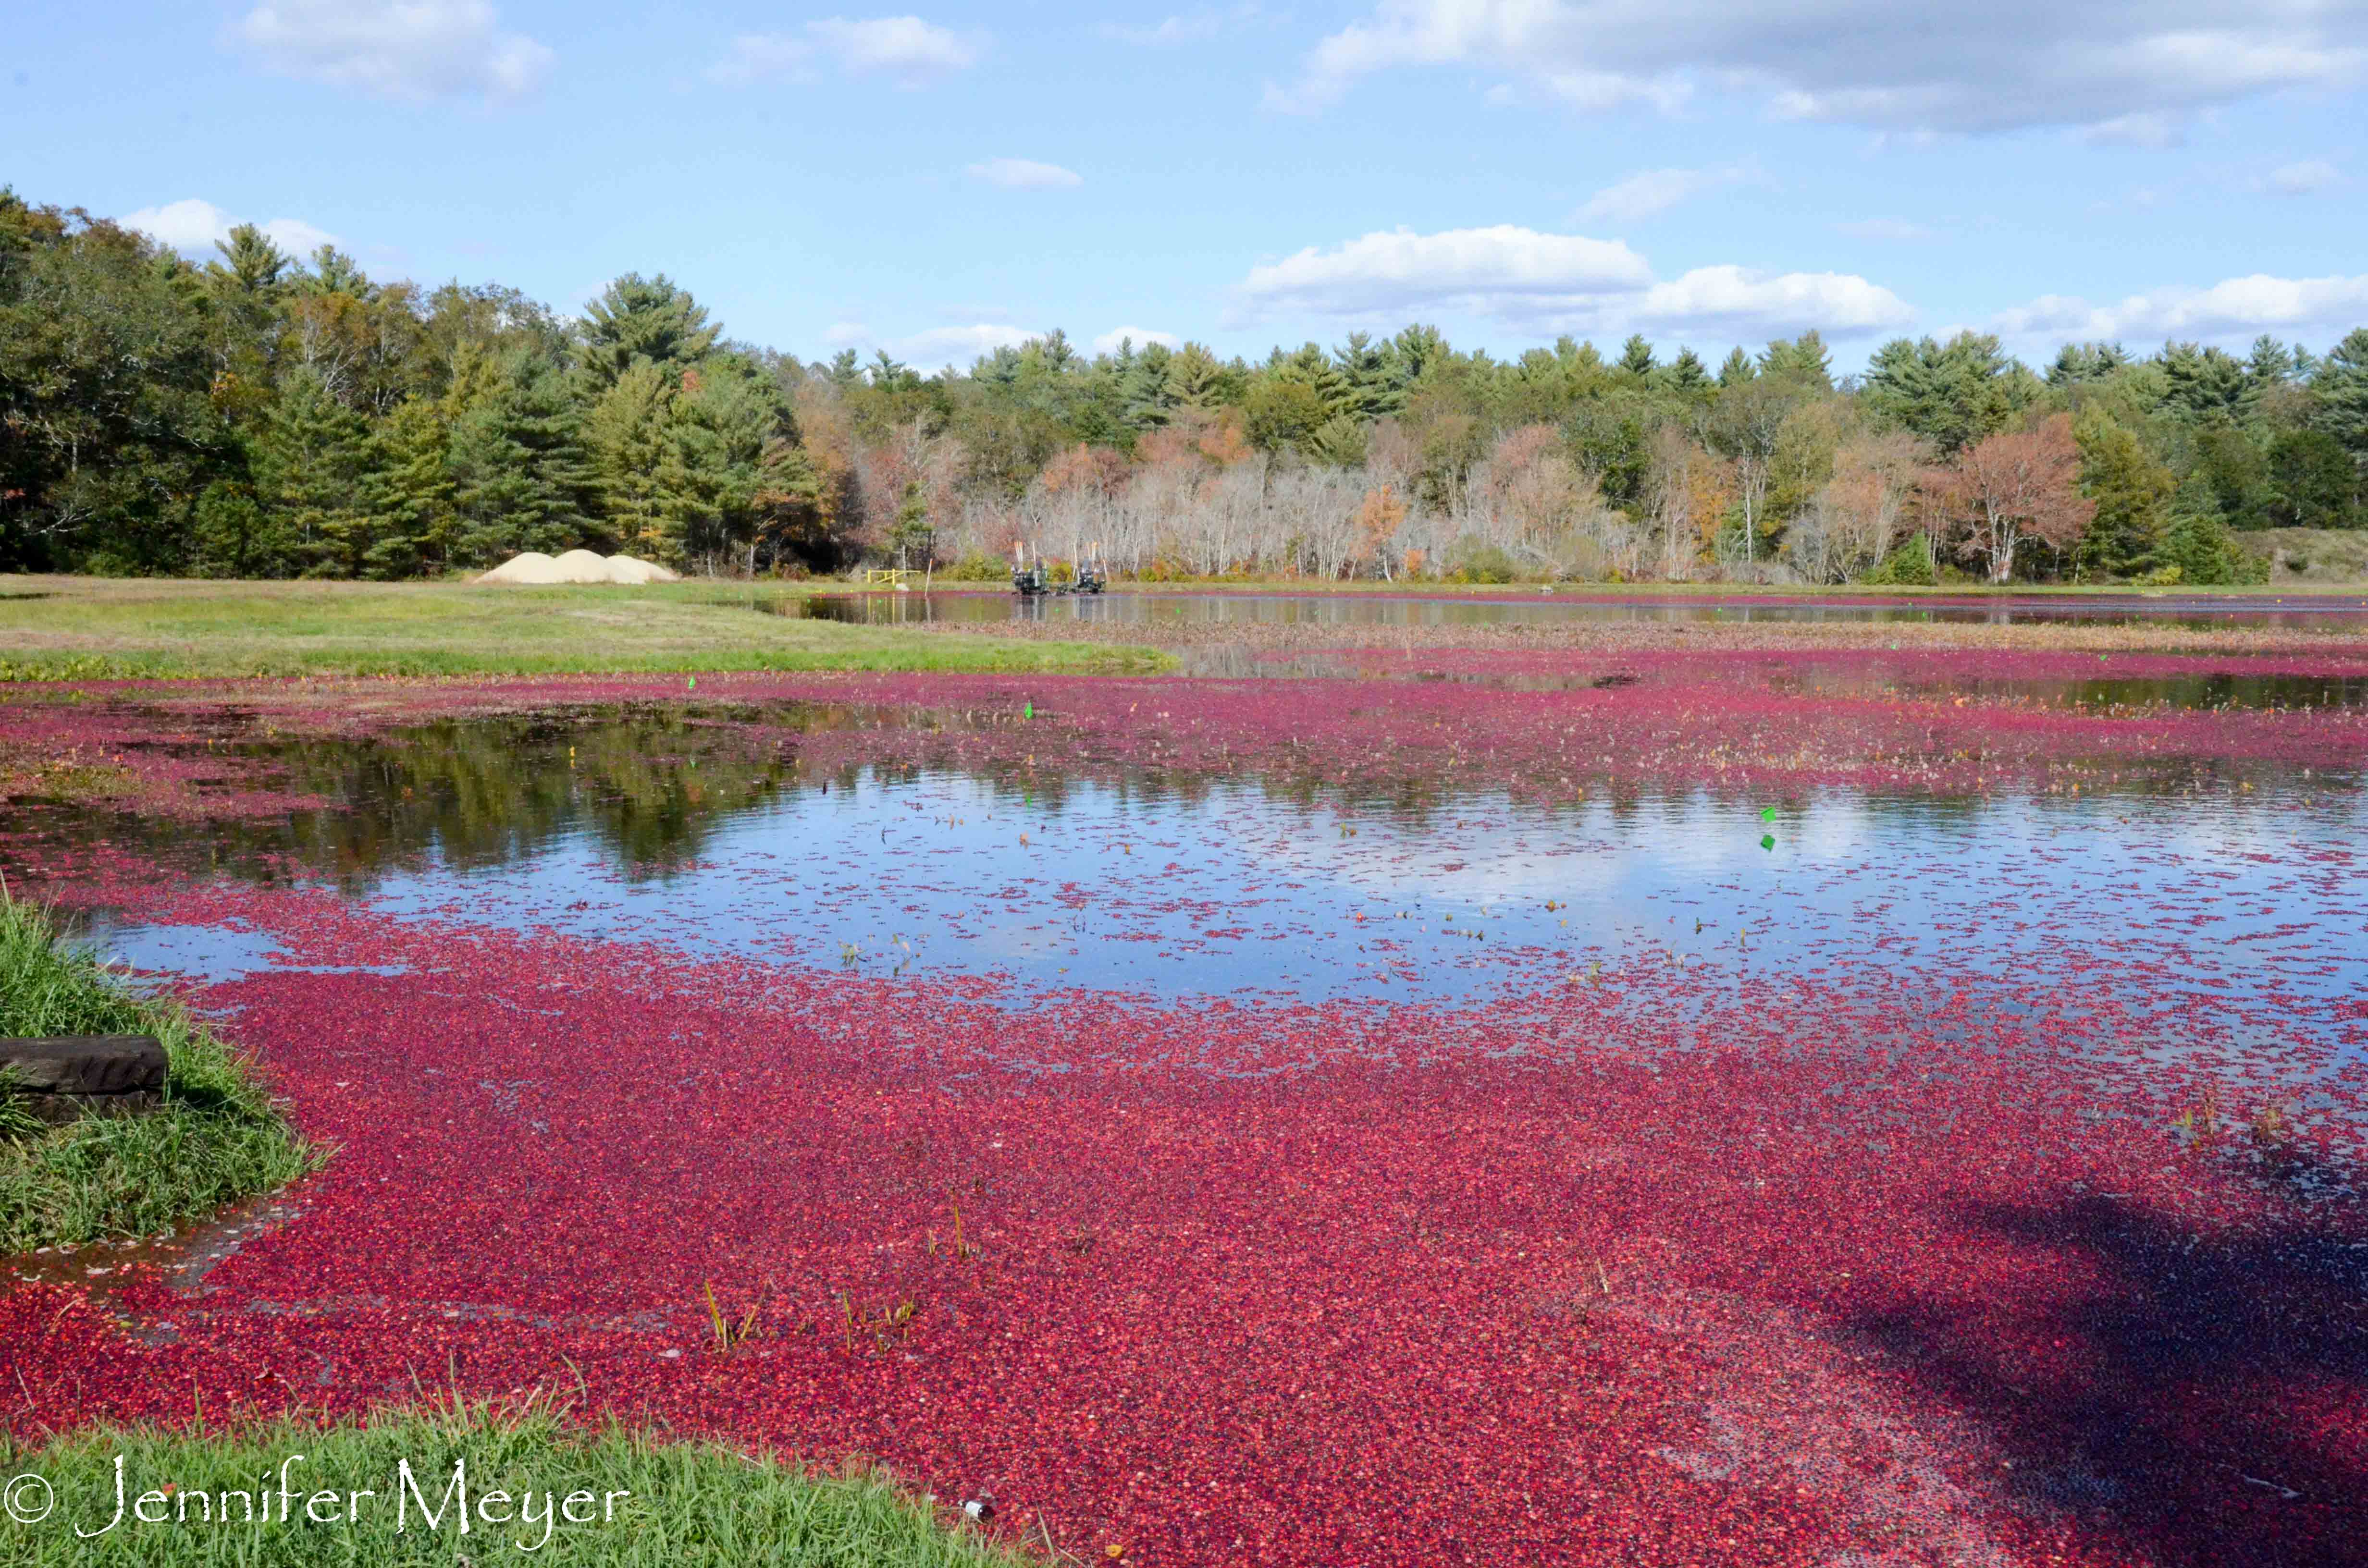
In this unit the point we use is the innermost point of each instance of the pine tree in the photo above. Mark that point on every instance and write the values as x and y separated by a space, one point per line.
1804 360
1687 375
1195 379
2132 494
2197 544
644 318
409 493
1952 394
2341 383
309 467
521 478
626 434
1636 356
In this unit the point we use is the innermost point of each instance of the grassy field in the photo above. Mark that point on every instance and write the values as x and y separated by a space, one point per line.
98 628
216 1140
684 1506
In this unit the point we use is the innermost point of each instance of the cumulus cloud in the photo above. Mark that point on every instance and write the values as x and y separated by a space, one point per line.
2235 307
1542 282
2130 70
1488 271
909 51
1025 174
1141 336
1839 304
1652 191
192 227
2303 178
397 49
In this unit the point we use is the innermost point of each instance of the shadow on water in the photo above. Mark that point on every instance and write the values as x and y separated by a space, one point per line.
2176 1397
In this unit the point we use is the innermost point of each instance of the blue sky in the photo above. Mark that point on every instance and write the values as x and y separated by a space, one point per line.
1704 171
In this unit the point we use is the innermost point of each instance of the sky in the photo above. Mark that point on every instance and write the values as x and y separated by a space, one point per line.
1704 172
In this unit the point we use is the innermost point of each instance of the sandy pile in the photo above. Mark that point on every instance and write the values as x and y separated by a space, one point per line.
577 566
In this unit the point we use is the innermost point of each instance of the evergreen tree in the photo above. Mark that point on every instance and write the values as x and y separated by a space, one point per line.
1636 356
521 478
2238 473
2313 483
1736 370
2341 385
409 493
1687 375
627 433
1375 377
1951 394
230 537
2133 494
2197 543
644 318
309 466
1195 379
1804 360
2205 385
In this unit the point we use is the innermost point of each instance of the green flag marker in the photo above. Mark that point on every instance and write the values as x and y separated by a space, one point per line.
1027 710
692 684
1767 841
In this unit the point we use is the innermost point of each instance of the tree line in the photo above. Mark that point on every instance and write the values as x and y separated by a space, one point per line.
264 415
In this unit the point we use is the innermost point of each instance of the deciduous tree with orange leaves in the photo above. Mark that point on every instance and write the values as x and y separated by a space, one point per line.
2012 488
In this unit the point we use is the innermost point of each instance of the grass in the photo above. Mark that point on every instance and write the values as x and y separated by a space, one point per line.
688 1503
216 1139
100 629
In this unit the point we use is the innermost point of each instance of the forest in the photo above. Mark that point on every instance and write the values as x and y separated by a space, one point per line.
259 414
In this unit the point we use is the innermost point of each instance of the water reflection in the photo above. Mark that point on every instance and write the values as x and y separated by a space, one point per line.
705 830
2193 610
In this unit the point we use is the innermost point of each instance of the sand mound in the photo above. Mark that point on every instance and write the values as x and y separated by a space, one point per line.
577 566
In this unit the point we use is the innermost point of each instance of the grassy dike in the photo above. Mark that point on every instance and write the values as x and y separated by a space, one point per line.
538 1490
100 629
216 1140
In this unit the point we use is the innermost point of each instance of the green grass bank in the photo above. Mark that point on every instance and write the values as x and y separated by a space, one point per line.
216 1140
538 1490
110 628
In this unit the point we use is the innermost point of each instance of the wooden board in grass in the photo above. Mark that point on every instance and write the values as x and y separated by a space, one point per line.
63 1077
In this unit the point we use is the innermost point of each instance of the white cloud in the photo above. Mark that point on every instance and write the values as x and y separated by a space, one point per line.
1652 191
1141 336
1898 228
191 226
1483 270
936 347
397 49
2234 308
2148 128
908 50
1838 304
1025 174
2131 70
958 344
2303 178
1545 283
1191 28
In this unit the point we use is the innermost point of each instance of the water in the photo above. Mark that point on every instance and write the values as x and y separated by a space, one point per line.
1516 607
703 832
